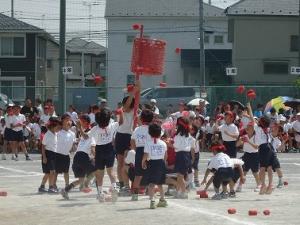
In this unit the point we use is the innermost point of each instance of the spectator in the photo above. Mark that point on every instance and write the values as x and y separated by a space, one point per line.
154 107
259 111
39 106
28 110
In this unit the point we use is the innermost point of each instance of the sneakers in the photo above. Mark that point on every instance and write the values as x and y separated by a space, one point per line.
42 190
162 203
14 157
64 194
152 204
134 197
3 157
125 191
224 195
114 194
239 188
257 189
217 196
28 158
280 184
101 197
52 191
232 194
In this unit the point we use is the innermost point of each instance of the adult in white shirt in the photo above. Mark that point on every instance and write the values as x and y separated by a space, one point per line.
17 125
73 114
230 134
154 107
296 129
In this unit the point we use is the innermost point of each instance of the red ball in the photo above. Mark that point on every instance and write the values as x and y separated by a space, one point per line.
178 50
3 193
231 211
203 194
98 79
285 183
251 94
252 212
163 84
136 26
267 212
240 89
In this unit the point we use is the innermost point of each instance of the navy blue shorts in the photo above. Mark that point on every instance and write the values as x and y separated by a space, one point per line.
62 163
139 153
223 176
196 161
230 148
276 163
7 134
122 143
156 172
183 162
236 175
266 155
17 136
105 156
50 165
251 162
82 165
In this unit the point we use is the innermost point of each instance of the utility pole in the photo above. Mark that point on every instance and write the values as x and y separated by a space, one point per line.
299 37
202 51
90 4
12 9
62 55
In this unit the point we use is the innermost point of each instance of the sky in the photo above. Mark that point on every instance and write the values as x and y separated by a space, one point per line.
45 14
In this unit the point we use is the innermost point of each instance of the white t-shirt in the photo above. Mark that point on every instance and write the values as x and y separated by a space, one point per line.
130 158
155 151
65 141
18 119
140 135
183 143
237 162
249 148
262 137
104 136
50 141
245 120
296 127
231 129
209 129
85 145
8 121
92 118
287 127
36 130
275 142
220 160
44 119
127 125
27 130
74 116
156 110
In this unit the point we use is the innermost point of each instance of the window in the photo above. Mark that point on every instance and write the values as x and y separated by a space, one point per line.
49 63
180 92
159 93
13 87
276 67
294 43
206 38
219 39
12 46
130 79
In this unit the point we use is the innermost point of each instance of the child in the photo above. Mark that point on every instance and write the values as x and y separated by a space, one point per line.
266 155
251 157
230 134
103 134
8 131
199 138
49 146
2 129
82 164
17 125
222 167
138 140
183 144
65 142
154 159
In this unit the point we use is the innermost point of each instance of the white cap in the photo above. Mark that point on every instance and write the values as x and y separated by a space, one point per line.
298 114
103 100
153 100
206 118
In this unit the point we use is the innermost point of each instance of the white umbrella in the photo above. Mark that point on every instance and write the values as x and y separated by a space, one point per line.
195 102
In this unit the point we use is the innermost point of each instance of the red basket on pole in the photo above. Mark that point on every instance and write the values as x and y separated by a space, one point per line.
148 56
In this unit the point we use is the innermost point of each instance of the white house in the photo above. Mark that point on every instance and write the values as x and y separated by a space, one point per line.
176 22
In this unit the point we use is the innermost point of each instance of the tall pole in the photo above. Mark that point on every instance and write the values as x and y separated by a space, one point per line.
299 37
62 52
12 9
82 70
90 20
202 52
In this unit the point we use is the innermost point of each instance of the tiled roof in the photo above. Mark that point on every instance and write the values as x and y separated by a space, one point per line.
8 24
159 8
78 45
265 8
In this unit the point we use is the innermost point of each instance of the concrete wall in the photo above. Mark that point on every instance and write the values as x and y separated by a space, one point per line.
168 29
257 39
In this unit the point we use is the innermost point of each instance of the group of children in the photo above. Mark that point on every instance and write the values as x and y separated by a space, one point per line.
154 153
